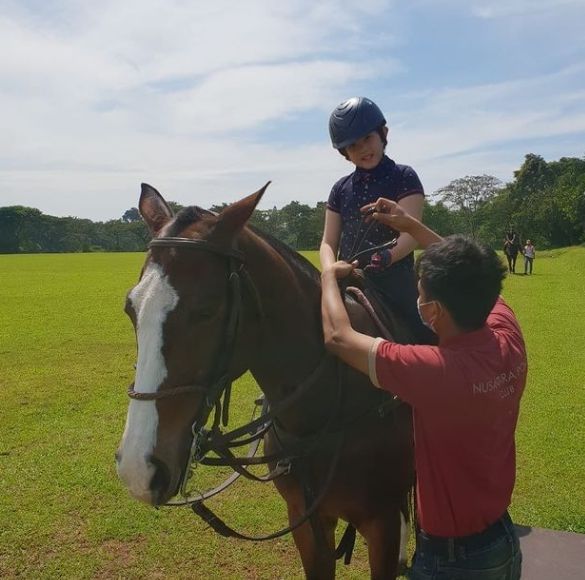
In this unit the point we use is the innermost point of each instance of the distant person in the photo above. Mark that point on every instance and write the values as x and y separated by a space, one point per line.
529 255
511 249
465 396
358 130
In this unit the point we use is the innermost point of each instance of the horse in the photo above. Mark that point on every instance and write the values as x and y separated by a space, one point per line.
358 441
511 250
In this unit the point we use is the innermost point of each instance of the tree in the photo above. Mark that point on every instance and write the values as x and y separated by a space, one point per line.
218 208
131 215
16 224
439 218
548 200
175 207
468 195
297 225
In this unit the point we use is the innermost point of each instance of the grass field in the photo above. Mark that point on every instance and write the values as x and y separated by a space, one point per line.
66 355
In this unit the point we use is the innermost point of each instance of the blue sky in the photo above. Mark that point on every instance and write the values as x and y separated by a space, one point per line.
207 101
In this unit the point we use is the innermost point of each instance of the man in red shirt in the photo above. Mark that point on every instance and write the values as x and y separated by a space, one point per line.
465 395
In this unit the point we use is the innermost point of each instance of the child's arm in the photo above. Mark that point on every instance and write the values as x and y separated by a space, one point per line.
330 241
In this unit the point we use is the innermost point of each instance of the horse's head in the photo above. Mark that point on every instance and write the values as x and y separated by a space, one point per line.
180 309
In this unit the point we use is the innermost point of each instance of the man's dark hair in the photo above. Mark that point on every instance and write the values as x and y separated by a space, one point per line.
463 275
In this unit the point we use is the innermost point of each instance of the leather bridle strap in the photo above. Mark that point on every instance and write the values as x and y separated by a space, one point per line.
172 242
221 382
165 393
227 439
219 526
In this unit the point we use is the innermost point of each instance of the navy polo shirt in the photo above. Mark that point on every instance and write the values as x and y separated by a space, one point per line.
350 193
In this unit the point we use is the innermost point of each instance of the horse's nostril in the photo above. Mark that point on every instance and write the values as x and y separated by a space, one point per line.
159 484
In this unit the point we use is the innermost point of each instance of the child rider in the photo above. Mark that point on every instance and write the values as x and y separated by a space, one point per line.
358 131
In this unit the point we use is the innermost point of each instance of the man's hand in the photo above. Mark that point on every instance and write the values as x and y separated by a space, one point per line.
389 213
393 215
339 269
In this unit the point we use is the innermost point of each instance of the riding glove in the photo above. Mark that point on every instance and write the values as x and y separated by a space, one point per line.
379 261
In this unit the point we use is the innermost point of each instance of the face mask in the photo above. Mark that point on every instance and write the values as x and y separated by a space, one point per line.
418 305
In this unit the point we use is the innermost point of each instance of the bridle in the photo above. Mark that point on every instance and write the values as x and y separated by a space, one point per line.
217 393
220 384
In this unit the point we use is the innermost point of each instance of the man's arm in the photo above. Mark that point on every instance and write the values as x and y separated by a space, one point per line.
408 371
413 204
330 241
341 339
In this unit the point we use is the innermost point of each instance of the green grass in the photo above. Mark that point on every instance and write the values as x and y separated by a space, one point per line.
66 354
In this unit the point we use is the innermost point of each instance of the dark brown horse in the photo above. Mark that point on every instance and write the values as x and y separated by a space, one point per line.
511 249
181 312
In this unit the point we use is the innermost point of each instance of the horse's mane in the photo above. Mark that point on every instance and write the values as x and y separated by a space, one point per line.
188 215
185 218
301 264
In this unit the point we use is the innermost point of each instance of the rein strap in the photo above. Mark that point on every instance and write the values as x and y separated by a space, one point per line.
140 396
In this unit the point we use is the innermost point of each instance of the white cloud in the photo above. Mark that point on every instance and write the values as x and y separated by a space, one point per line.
504 8
501 9
97 97
468 126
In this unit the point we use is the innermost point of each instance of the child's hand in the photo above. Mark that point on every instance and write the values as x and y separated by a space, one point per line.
379 261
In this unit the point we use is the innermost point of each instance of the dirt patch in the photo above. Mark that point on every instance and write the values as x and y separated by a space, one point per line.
119 555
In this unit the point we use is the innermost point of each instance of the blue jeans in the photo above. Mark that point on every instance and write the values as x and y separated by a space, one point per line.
493 554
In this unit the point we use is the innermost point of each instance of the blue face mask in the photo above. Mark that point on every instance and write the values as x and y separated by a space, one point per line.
429 325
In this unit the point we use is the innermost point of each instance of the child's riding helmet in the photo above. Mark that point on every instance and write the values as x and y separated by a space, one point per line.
352 120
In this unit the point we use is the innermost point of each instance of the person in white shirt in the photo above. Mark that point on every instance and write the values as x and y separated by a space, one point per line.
529 255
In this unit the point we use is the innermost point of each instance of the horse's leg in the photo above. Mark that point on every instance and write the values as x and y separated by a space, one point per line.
318 560
383 536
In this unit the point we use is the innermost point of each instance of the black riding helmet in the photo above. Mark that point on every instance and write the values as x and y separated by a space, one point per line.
352 120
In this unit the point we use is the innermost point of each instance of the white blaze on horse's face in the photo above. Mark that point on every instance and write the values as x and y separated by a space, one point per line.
152 300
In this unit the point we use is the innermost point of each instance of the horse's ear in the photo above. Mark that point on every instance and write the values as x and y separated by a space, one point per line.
234 217
153 209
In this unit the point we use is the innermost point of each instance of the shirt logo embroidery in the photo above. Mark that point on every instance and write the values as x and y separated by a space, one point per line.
504 383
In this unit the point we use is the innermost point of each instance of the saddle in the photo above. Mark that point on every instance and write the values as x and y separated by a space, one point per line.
373 303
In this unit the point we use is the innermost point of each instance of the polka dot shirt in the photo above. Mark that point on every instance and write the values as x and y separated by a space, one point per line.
350 193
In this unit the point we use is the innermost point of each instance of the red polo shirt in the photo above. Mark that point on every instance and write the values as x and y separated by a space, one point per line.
465 394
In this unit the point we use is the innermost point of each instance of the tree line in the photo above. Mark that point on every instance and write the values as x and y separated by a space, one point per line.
544 202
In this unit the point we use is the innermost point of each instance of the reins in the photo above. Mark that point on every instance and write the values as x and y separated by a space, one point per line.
361 237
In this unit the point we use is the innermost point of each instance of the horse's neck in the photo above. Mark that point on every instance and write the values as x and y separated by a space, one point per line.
290 341
290 347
